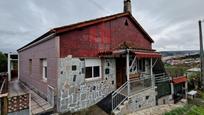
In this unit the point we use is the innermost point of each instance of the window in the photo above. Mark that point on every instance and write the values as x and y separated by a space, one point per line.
30 66
74 67
88 72
96 71
141 65
107 71
44 68
92 68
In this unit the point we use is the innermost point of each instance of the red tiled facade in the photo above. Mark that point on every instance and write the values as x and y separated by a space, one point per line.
88 41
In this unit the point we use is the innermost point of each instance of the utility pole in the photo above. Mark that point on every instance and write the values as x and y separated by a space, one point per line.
201 54
9 66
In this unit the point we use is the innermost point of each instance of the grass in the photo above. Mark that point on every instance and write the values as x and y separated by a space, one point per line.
187 110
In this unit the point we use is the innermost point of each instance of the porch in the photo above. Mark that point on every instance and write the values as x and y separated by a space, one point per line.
134 74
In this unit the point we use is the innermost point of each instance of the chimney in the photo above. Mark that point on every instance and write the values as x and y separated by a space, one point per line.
127 6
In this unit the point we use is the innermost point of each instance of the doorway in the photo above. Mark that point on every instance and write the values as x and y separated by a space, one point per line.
120 71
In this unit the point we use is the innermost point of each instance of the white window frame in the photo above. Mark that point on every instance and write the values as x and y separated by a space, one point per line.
44 64
91 63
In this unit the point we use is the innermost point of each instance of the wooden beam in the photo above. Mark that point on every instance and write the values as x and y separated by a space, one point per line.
4 106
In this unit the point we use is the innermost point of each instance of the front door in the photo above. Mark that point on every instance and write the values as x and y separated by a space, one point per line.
120 71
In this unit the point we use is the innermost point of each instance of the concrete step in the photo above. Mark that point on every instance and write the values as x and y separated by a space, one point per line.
117 112
125 102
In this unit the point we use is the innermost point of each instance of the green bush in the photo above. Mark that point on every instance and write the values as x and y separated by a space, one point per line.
3 62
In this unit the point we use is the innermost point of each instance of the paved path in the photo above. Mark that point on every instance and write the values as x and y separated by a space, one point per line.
38 104
158 110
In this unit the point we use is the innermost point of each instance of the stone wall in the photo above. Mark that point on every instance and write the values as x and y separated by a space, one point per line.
142 100
75 92
165 100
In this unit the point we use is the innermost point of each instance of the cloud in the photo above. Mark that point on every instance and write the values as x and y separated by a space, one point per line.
172 24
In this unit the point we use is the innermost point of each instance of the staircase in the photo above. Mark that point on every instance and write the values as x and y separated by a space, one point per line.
120 98
106 103
121 109
115 101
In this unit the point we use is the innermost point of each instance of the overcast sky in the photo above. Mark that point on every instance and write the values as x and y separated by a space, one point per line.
173 24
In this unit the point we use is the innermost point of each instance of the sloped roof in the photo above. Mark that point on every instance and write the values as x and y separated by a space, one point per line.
179 80
62 29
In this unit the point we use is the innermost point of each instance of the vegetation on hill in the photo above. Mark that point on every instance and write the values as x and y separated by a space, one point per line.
175 71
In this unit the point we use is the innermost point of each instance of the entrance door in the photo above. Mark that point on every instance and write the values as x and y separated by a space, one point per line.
120 71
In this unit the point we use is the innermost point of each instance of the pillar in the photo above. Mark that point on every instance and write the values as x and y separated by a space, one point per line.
186 89
128 70
172 88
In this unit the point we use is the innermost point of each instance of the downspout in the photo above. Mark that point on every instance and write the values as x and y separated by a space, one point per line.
18 67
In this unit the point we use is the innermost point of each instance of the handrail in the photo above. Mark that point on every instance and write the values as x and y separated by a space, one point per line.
121 94
2 85
120 88
161 77
117 97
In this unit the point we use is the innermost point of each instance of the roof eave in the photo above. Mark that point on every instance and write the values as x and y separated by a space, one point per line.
40 39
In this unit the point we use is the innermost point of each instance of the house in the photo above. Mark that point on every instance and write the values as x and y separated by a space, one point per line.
109 58
180 88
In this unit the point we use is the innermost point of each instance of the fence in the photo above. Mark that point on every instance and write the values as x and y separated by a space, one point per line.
19 105
3 83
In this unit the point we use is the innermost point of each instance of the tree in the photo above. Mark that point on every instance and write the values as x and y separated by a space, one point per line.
194 80
3 62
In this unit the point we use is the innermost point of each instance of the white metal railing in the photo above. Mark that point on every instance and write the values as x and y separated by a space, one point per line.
161 77
135 86
119 95
138 85
2 86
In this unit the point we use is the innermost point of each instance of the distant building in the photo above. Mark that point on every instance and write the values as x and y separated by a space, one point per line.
193 72
180 88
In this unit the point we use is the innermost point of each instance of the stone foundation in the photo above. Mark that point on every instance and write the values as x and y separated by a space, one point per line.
165 100
142 100
75 92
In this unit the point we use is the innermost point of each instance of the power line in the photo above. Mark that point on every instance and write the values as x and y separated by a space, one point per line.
99 6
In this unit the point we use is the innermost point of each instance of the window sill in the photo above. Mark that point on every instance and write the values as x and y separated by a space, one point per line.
45 81
93 79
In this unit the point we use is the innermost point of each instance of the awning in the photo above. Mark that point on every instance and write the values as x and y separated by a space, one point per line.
147 55
179 80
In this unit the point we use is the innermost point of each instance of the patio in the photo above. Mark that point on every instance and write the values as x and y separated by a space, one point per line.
38 105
